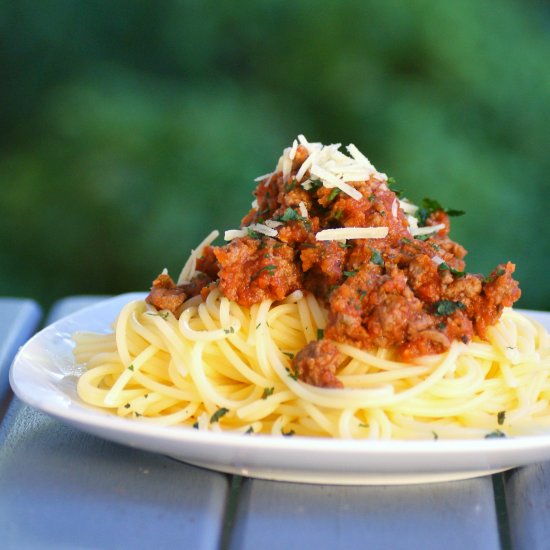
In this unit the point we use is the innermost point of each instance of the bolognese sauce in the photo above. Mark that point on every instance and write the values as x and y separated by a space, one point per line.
391 277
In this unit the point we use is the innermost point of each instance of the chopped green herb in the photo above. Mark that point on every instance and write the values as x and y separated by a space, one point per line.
362 425
351 273
344 245
288 434
371 197
229 330
441 325
391 183
288 354
320 334
501 417
218 414
495 434
446 267
404 240
498 273
252 234
362 293
376 257
429 206
163 314
267 392
258 325
337 214
127 406
333 194
422 237
289 186
315 184
288 215
249 431
292 373
447 307
269 268
131 367
436 437
196 425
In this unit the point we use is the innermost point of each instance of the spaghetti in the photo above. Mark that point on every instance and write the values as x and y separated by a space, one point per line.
225 367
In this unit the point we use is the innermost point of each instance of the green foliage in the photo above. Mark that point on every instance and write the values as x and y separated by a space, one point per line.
130 130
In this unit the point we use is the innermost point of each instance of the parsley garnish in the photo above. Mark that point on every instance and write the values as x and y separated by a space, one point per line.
196 425
127 406
267 392
252 234
287 434
337 214
288 354
289 214
351 273
269 268
501 416
333 194
131 367
320 334
498 273
376 257
289 186
250 430
229 330
436 437
315 184
391 183
344 245
163 314
447 307
218 414
495 434
293 374
446 267
429 206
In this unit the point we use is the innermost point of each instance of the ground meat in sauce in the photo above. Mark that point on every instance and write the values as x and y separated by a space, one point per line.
316 364
165 295
408 294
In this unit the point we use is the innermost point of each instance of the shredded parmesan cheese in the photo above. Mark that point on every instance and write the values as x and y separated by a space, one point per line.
342 233
189 269
427 230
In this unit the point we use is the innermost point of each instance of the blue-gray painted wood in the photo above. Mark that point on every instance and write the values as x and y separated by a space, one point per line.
454 515
527 493
62 488
18 320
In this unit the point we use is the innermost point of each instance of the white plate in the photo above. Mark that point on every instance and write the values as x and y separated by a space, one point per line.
43 375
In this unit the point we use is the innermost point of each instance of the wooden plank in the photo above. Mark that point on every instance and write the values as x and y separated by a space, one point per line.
453 515
62 488
18 321
527 493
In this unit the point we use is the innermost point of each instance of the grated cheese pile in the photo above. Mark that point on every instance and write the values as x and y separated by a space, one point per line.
334 169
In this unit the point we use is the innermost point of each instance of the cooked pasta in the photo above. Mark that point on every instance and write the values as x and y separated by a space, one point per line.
222 366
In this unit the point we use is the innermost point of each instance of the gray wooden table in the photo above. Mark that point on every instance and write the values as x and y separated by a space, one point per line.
61 488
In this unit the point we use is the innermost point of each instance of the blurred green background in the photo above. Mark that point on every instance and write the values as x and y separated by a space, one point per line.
131 129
